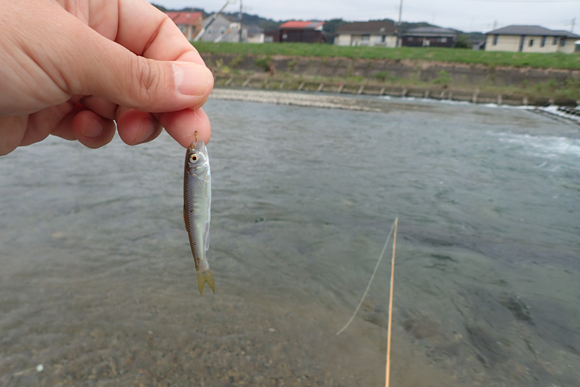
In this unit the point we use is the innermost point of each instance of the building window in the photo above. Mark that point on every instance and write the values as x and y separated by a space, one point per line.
223 30
543 43
495 39
531 42
443 40
562 41
555 40
383 38
365 38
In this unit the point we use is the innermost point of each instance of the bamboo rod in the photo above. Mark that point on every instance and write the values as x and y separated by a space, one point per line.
388 370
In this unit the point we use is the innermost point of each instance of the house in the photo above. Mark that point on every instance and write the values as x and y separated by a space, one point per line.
371 33
255 34
190 23
428 37
530 39
299 32
222 29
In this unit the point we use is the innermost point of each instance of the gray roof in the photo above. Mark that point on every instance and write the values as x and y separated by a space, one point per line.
430 31
219 17
531 30
370 27
254 29
567 34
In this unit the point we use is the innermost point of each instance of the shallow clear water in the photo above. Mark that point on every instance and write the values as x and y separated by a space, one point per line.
97 282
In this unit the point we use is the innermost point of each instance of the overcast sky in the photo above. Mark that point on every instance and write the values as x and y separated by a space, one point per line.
466 15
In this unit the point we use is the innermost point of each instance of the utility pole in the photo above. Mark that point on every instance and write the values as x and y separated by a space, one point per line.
494 25
573 22
399 23
240 20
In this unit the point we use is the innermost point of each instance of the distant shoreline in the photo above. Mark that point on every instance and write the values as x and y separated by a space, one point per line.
365 104
297 99
326 100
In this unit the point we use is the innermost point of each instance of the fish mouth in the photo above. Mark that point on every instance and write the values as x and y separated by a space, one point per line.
197 145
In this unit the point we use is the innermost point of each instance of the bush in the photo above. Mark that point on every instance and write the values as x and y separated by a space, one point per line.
443 79
292 64
263 63
237 60
382 75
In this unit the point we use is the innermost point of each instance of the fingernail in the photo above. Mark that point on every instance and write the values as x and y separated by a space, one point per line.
191 79
92 130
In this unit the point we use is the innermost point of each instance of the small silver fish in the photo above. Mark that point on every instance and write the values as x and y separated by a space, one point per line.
197 209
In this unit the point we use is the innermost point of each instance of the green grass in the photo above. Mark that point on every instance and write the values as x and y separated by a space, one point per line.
515 59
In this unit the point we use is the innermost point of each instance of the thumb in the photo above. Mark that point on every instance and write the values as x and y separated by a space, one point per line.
108 70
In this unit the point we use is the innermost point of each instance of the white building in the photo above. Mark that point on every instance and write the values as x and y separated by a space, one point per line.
222 29
530 39
372 33
255 34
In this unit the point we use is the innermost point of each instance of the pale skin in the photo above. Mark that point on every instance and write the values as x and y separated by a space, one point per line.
75 68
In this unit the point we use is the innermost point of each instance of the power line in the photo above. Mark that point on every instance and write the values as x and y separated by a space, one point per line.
527 1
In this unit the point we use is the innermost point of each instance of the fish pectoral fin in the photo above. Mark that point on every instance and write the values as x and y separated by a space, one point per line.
202 278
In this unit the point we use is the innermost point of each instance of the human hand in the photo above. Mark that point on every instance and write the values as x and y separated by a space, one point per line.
73 68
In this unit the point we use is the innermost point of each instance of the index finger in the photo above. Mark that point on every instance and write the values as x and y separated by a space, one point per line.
148 32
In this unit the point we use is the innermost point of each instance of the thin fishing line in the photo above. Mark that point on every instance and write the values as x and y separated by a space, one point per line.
370 282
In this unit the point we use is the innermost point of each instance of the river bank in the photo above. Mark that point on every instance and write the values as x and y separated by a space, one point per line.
404 78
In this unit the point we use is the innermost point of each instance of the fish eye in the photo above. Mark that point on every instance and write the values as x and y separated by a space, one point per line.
193 158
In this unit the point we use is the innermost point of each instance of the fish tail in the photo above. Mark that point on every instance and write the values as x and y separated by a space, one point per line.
202 278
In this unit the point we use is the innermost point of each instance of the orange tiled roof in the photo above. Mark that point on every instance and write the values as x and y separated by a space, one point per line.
183 17
302 24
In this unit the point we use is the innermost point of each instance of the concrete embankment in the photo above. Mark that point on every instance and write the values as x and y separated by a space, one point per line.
436 80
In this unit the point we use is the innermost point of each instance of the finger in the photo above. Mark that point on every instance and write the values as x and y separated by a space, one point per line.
92 130
41 124
136 127
183 124
102 107
64 129
12 130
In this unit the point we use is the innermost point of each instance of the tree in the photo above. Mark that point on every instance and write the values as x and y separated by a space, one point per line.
462 41
330 27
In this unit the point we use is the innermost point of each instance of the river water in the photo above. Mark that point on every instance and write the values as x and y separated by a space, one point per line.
97 283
